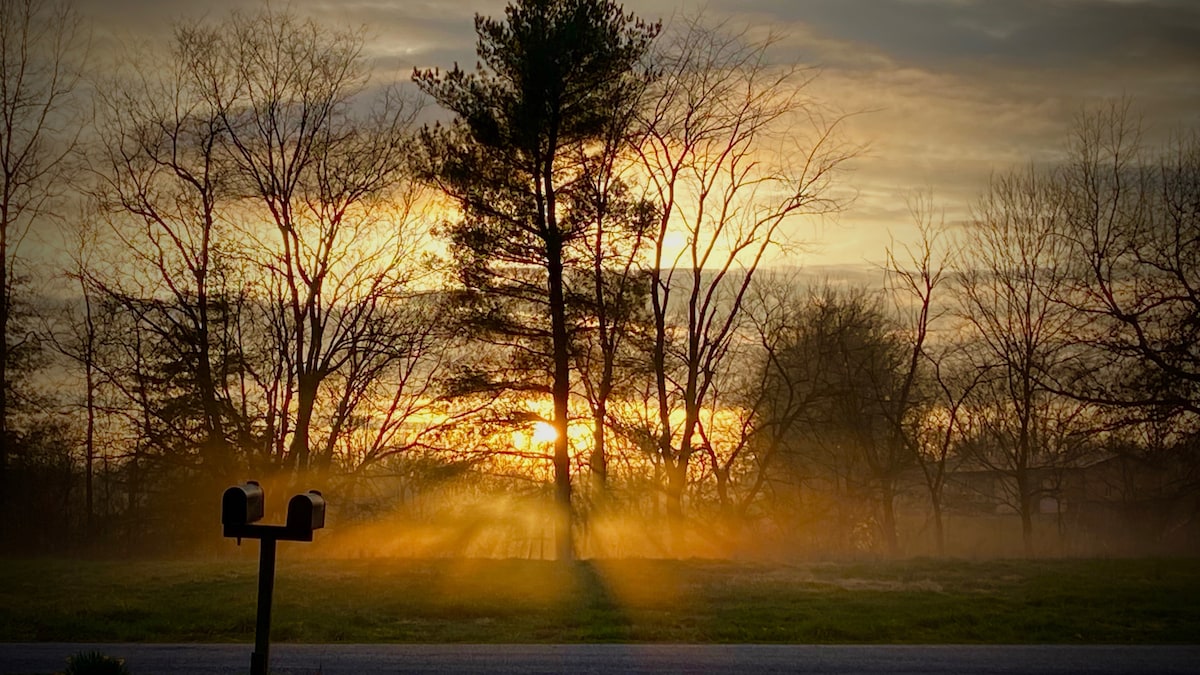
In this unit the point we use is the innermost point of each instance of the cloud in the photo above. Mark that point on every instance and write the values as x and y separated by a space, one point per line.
954 90
951 34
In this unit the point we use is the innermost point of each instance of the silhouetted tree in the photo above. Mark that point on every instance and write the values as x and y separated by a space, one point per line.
1133 222
733 150
528 125
331 182
608 301
264 251
38 42
925 413
1017 265
76 333
778 396
844 360
164 185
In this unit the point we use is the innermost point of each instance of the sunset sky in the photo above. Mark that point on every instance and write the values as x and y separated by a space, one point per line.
950 90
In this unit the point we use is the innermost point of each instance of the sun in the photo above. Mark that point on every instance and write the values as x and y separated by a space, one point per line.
544 432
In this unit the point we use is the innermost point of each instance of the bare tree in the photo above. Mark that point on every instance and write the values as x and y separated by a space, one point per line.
924 423
940 434
77 333
38 74
758 399
1016 267
729 162
334 186
1132 221
264 254
610 297
777 396
163 182
840 381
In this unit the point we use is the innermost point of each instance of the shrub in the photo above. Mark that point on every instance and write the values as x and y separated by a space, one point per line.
95 663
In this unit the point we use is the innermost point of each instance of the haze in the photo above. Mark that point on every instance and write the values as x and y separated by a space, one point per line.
772 280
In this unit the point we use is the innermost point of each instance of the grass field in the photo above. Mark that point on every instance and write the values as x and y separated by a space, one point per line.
916 601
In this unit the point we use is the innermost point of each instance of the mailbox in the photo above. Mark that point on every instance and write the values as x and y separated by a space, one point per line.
306 512
242 504
241 508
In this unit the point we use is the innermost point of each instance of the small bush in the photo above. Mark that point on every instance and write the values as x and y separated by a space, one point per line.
95 663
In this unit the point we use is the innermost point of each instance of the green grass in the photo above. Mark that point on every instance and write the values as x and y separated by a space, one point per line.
915 601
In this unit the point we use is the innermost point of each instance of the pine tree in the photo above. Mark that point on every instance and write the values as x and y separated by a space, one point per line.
529 121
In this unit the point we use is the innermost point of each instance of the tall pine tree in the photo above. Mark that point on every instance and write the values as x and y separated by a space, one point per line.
529 121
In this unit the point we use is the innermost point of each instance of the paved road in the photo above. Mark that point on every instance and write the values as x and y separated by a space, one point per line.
210 659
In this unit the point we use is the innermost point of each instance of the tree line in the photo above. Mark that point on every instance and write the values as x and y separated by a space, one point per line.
271 265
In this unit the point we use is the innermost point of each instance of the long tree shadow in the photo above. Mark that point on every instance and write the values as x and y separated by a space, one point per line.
596 613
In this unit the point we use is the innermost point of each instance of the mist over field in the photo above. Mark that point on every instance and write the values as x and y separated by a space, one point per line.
588 297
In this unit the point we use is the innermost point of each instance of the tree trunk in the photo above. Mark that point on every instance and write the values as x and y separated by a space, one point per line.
598 462
305 402
721 474
677 469
90 446
939 528
888 502
1025 496
564 546
676 484
1027 530
219 457
5 441
134 486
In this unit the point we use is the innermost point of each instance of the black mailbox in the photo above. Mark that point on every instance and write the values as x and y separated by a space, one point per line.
306 512
242 504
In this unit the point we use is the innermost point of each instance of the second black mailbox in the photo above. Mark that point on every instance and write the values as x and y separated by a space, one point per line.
306 512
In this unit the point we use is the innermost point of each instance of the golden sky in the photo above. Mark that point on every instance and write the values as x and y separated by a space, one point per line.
951 91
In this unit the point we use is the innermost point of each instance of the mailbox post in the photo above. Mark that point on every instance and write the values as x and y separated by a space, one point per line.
242 506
